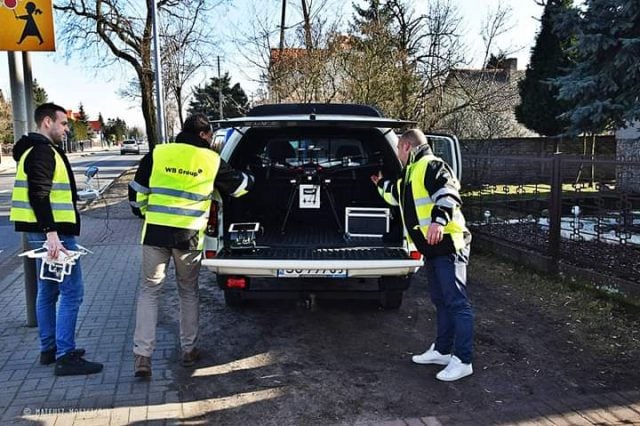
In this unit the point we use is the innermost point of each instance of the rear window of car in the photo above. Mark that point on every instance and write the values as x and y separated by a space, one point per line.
321 150
129 142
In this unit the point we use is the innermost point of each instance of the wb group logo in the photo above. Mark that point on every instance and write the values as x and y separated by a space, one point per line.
179 171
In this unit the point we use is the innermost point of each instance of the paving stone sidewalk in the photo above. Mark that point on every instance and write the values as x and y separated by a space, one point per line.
31 394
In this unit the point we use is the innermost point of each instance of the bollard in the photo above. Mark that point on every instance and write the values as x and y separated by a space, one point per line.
30 284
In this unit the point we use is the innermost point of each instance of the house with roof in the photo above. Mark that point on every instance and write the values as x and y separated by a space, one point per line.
481 102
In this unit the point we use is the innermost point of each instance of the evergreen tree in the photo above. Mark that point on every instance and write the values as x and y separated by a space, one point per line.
376 13
603 82
379 67
207 99
39 94
115 129
539 110
6 120
81 125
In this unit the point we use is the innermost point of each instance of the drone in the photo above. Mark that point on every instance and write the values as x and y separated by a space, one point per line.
58 268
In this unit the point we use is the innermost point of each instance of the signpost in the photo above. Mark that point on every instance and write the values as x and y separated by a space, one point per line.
25 26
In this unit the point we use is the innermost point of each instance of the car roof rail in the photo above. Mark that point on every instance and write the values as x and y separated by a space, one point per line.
314 108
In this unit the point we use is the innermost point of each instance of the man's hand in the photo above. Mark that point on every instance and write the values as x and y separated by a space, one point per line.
376 178
434 233
54 245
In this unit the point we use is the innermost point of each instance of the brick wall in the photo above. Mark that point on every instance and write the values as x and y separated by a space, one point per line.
628 177
532 165
605 146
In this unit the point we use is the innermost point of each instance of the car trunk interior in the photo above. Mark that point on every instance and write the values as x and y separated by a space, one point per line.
306 178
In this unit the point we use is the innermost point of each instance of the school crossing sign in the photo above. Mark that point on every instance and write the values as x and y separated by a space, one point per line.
26 25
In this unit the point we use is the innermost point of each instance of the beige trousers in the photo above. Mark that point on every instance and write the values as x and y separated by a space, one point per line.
155 261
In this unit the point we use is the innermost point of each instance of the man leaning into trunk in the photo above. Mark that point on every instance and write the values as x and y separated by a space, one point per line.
172 190
427 194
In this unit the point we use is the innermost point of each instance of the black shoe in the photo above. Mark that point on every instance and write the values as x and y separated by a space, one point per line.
49 357
73 364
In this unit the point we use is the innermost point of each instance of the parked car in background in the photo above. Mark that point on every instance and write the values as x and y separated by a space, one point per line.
314 224
129 146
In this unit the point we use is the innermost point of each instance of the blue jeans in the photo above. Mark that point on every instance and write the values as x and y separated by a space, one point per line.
58 329
447 277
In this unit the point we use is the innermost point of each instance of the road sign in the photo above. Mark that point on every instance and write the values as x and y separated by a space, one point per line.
26 25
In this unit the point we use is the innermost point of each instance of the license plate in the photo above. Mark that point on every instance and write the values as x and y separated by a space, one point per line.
302 273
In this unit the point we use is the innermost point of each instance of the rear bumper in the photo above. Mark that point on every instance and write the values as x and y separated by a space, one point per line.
354 268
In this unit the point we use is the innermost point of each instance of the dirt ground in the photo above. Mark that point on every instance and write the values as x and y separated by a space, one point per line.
344 362
347 361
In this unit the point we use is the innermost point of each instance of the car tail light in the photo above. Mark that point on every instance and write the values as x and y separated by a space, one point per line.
212 223
415 255
210 254
236 282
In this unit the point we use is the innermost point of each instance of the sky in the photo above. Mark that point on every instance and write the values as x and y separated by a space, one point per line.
69 82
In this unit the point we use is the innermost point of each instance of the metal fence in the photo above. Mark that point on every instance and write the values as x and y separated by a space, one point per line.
571 210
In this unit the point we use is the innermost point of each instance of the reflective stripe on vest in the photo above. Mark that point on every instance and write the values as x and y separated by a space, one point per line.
142 196
180 187
60 197
386 192
424 203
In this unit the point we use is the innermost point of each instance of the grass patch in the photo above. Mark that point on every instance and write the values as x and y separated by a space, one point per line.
592 318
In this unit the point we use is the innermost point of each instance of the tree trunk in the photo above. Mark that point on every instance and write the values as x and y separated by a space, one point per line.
149 109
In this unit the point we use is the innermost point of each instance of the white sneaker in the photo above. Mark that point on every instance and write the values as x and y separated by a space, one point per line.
455 370
431 356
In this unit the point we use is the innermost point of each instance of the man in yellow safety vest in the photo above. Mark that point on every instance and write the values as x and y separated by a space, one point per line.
43 206
173 189
427 194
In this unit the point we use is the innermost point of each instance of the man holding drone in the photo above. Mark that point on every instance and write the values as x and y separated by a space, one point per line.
44 207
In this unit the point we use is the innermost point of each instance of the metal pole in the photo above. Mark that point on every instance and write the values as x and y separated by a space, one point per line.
28 90
282 21
220 91
162 133
20 128
17 96
555 210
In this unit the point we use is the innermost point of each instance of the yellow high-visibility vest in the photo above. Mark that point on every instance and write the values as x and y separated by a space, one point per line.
60 197
414 181
180 187
424 203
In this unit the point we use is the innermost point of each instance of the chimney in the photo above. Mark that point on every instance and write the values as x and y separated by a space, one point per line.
510 65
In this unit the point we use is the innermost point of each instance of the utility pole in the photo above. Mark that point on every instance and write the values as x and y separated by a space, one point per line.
28 90
282 21
162 133
220 90
20 101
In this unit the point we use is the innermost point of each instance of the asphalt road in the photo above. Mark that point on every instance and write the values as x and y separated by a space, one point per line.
110 165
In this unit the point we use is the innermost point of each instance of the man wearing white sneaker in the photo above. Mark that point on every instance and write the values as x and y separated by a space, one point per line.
427 194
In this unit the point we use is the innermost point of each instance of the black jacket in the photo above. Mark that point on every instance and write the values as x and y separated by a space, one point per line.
39 167
227 181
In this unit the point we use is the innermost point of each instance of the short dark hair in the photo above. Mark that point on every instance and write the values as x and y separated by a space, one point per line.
196 123
47 110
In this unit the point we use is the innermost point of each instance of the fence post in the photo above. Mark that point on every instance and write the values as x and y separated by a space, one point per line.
555 210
